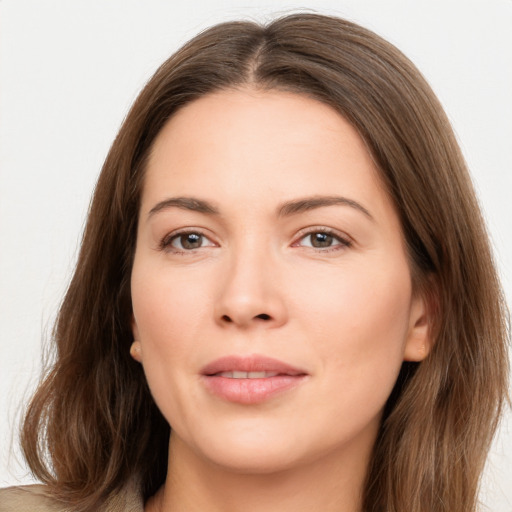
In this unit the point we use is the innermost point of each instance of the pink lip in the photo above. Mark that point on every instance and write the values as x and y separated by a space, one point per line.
250 391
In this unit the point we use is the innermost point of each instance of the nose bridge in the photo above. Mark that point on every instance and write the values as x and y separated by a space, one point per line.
249 293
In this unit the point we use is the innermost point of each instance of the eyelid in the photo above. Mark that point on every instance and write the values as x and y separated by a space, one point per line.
344 239
165 243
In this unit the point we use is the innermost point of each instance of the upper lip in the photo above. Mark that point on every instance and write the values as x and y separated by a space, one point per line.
252 363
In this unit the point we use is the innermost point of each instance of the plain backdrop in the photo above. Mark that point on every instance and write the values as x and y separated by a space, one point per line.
69 70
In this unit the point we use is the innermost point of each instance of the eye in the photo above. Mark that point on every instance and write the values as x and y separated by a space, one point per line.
186 241
323 239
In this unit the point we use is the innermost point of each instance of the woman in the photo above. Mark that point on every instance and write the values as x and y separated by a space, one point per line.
285 297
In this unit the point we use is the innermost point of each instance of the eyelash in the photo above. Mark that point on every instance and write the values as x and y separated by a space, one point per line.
344 241
166 242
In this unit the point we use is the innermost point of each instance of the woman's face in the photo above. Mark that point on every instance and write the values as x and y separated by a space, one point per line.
271 290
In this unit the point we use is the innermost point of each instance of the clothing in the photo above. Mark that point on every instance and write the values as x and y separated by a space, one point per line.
33 498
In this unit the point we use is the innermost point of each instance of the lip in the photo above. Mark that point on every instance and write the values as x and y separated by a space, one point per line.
246 390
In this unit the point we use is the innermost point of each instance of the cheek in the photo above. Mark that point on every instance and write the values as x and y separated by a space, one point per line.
360 321
168 313
369 302
167 305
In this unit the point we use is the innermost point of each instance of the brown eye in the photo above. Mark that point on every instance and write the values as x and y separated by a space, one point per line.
321 239
189 241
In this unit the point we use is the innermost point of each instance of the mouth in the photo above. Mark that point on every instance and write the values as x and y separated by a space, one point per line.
251 379
246 375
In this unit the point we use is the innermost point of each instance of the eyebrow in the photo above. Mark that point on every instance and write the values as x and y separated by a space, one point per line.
185 203
288 208
311 203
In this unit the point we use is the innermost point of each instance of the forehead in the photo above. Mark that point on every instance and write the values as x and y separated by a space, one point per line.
240 143
276 118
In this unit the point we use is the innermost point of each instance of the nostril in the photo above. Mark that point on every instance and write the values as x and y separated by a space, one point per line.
228 320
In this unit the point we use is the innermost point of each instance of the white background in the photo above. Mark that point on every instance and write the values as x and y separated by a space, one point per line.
69 70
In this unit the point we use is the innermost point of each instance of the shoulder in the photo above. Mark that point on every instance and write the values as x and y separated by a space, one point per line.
28 497
35 498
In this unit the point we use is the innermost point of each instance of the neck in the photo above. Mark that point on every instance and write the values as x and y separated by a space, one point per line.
331 483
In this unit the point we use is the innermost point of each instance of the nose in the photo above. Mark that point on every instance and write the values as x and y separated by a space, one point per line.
250 295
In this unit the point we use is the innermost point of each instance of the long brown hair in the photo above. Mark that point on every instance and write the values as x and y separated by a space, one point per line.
92 424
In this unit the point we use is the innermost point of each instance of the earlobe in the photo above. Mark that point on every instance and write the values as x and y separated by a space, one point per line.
136 351
419 338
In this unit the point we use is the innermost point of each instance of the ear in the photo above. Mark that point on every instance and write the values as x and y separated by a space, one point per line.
136 351
419 340
136 348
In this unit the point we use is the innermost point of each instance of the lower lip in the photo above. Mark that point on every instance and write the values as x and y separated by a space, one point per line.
250 391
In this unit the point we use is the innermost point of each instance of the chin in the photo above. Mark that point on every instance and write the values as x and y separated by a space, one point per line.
250 451
254 461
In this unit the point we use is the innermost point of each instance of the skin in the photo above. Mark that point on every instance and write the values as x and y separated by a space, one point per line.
344 312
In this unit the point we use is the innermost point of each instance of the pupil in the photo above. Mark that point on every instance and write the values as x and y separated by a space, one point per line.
321 240
191 241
